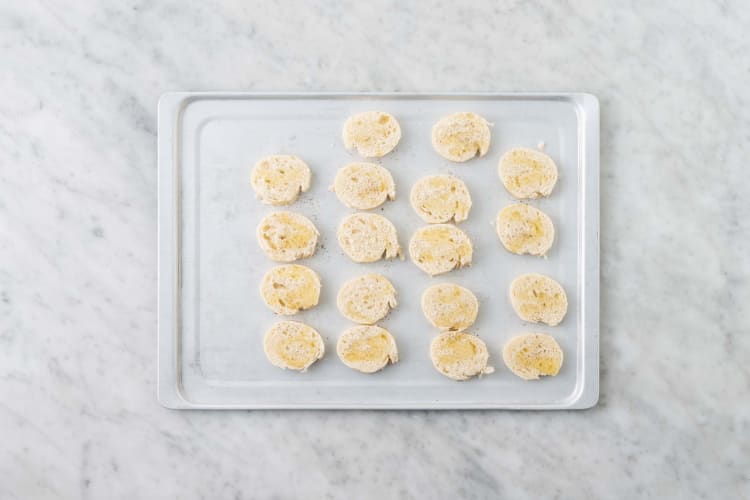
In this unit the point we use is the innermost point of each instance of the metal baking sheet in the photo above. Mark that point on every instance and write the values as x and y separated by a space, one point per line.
212 319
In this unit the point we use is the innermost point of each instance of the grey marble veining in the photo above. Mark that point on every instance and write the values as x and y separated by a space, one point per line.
79 85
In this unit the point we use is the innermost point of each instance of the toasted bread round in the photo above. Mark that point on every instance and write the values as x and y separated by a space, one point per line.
290 288
287 236
279 179
523 229
441 198
539 299
440 248
293 345
368 238
372 133
532 355
459 355
461 136
364 185
366 299
450 307
367 348
527 173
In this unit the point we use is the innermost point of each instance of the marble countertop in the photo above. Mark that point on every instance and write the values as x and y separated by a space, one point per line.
78 411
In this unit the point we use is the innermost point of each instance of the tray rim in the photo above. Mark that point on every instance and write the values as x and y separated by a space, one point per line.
169 110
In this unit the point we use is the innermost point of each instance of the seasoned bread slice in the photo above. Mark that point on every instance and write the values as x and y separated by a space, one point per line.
459 355
372 133
287 236
367 348
539 299
364 185
440 198
527 173
279 179
366 299
290 288
461 136
523 229
440 248
368 238
450 307
293 345
533 355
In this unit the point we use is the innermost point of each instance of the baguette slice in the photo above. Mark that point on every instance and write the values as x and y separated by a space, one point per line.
533 355
368 238
364 185
366 299
287 236
523 229
440 248
459 355
441 198
372 133
279 179
367 349
539 299
527 173
293 345
461 136
290 288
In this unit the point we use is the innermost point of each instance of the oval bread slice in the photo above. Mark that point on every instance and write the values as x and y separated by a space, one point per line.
460 356
532 355
372 133
368 238
450 307
367 348
366 299
527 173
290 288
461 136
440 198
539 299
440 248
364 185
523 229
287 236
279 179
293 345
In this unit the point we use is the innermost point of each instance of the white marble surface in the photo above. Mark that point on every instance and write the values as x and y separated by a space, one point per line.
79 85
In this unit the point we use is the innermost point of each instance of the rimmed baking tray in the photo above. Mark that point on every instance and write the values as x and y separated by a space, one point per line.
211 319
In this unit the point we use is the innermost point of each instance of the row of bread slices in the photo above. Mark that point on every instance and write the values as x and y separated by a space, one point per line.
366 237
458 137
279 179
449 307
